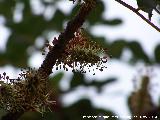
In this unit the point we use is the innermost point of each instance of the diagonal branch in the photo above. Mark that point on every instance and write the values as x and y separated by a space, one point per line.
56 52
139 14
73 25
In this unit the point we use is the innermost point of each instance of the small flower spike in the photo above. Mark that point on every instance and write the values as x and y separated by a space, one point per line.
81 53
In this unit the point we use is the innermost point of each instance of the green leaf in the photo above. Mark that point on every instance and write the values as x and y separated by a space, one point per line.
88 110
147 6
6 8
113 22
96 15
101 41
28 28
54 81
57 21
157 53
77 79
138 52
16 52
2 113
116 48
3 59
74 11
31 116
100 84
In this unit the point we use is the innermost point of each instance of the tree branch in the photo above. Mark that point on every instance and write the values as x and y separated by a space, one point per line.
73 25
139 14
56 52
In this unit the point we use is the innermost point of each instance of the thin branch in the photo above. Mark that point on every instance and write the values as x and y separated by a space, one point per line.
139 14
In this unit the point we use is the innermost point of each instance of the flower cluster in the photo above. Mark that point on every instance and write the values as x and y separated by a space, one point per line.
26 93
81 53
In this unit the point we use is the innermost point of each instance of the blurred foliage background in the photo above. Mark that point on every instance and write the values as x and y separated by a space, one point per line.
27 24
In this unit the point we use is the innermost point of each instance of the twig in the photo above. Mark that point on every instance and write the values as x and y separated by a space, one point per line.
139 14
